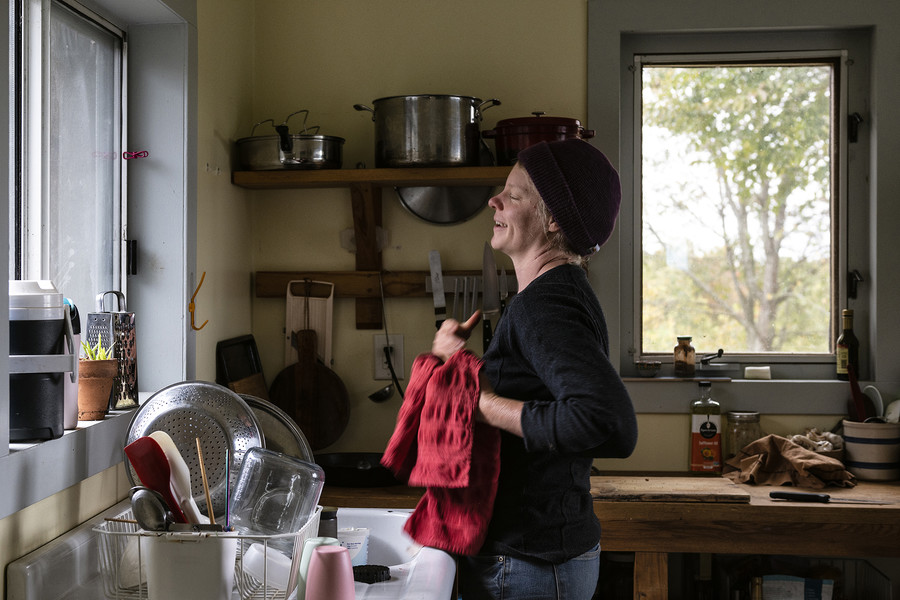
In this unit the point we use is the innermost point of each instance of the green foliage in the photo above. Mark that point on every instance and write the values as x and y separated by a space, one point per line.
754 274
98 352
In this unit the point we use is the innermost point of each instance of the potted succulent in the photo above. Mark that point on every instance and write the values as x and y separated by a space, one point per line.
97 370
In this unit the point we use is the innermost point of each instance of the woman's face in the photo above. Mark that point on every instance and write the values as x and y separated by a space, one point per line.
518 229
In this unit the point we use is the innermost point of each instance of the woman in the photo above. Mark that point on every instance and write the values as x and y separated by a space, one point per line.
547 381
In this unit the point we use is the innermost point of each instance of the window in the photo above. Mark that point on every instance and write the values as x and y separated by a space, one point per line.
737 194
66 218
741 169
161 70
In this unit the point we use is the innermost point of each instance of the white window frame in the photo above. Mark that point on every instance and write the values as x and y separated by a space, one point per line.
681 48
35 260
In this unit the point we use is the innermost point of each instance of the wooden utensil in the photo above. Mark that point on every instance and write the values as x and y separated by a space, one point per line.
312 394
212 516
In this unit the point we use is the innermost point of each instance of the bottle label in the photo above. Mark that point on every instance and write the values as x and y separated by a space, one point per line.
843 359
706 447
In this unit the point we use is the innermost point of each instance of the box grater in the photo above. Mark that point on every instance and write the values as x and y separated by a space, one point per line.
116 328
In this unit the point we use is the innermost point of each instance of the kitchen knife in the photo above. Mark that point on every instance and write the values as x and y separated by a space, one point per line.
490 295
821 498
504 290
437 288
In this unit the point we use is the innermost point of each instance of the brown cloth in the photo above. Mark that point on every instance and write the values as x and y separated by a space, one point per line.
774 460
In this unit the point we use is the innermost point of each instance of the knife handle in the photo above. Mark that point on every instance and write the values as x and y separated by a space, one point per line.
800 496
486 333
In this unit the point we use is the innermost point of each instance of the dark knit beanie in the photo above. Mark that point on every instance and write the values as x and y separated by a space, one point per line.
579 186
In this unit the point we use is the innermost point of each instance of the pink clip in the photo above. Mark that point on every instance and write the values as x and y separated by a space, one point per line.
129 155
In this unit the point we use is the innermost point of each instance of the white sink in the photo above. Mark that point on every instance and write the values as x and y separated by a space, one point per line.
67 568
417 573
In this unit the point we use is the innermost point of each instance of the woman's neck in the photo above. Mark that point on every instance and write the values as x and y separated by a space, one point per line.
530 269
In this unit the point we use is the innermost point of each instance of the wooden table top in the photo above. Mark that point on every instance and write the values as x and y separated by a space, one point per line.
648 513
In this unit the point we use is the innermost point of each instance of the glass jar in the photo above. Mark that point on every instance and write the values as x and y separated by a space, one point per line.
685 357
741 428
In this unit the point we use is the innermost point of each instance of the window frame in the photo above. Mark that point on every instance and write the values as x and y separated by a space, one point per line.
32 189
837 58
850 176
162 205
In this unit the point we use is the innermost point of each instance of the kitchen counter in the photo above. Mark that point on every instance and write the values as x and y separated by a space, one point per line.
654 515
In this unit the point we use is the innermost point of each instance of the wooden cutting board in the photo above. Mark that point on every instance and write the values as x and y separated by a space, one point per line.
668 489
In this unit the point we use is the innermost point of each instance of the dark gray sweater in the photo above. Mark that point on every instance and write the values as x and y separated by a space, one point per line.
551 350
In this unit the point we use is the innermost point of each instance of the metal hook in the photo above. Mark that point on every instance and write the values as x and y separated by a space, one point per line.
191 305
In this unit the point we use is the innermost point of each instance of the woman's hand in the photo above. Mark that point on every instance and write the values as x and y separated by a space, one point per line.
452 336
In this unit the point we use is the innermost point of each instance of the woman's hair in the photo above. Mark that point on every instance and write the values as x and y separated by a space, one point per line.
557 240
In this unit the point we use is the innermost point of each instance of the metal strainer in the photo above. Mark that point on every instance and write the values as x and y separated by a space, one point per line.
213 413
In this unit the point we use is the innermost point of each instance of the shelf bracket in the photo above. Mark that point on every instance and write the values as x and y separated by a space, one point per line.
365 199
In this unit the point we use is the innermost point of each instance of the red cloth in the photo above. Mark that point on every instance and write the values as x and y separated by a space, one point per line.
437 444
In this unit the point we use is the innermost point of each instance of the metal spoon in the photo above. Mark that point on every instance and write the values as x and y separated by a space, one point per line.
150 510
382 394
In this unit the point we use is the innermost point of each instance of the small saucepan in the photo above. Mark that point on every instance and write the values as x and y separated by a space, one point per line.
286 150
512 135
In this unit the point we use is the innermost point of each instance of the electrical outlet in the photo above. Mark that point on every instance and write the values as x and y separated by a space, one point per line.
395 343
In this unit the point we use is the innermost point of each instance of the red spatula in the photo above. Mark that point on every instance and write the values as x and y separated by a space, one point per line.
152 468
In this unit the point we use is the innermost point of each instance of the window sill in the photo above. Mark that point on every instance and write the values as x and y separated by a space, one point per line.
668 395
39 470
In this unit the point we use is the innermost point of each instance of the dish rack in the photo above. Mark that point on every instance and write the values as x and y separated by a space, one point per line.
126 578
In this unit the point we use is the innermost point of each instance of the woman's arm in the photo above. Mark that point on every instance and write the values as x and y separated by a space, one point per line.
502 413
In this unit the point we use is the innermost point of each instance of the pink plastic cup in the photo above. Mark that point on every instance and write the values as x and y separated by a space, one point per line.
330 575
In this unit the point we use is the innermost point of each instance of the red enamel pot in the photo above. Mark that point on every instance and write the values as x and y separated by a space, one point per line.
513 135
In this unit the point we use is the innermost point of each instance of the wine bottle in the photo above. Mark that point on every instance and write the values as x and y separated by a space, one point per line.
847 347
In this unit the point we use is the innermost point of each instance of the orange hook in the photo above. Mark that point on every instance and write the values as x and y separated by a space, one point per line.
191 305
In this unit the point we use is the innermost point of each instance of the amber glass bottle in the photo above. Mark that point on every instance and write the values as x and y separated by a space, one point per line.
847 347
685 357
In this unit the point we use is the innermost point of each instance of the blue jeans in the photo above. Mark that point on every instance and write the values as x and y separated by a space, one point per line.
502 577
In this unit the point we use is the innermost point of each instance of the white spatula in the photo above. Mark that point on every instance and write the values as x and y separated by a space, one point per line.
181 478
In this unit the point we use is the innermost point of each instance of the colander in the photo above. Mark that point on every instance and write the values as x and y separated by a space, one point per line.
211 412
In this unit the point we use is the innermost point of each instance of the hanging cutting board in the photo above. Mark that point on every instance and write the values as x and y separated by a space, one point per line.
668 489
319 295
312 394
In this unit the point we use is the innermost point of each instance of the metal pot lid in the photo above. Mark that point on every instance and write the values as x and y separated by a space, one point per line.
539 119
444 205
293 136
280 431
426 96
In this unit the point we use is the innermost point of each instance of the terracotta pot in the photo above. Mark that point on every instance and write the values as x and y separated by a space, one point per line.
95 384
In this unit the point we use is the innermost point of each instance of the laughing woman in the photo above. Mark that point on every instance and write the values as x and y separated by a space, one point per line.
547 381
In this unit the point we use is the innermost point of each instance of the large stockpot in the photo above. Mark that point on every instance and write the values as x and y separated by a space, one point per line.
427 130
512 135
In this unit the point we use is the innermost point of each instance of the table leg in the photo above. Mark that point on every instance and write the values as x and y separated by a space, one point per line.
651 576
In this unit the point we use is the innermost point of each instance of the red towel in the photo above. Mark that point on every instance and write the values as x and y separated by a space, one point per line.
437 444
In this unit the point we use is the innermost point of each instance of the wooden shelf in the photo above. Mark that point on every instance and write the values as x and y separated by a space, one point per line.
411 177
365 198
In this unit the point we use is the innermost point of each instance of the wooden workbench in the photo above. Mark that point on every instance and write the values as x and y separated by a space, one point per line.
655 515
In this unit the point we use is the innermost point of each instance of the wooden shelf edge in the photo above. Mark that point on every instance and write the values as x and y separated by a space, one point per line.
353 284
411 177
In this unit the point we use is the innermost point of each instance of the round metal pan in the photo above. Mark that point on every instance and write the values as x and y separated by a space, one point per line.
198 409
279 429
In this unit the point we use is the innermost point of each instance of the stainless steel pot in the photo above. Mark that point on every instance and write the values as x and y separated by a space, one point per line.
427 130
295 151
305 150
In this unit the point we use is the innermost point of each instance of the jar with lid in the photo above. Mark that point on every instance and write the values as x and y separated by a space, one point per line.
741 428
685 357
